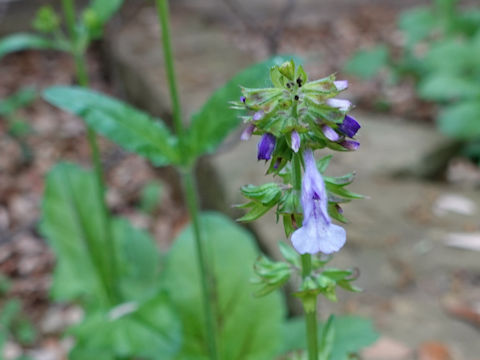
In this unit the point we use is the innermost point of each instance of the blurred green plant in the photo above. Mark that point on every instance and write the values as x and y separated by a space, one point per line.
150 196
441 51
14 324
17 126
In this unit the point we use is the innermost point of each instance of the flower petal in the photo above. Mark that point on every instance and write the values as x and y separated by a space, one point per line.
266 145
349 126
295 137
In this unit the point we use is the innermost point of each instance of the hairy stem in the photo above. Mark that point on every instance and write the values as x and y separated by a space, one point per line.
189 183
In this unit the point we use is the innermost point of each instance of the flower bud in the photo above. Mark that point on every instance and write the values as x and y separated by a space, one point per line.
295 137
350 145
341 84
329 133
247 133
341 104
349 126
266 145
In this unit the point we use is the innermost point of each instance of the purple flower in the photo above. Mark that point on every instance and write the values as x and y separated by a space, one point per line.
329 133
341 104
350 144
243 99
266 145
258 115
349 126
317 233
295 137
341 84
247 133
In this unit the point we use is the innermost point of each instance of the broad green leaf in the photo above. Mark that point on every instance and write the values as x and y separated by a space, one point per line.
367 63
248 328
24 41
76 227
105 9
461 120
149 330
130 128
441 87
215 120
74 223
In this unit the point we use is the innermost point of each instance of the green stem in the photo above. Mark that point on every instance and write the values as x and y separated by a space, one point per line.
206 281
188 181
310 304
110 275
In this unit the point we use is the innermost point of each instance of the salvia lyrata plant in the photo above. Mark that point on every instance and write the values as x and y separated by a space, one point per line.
197 304
293 119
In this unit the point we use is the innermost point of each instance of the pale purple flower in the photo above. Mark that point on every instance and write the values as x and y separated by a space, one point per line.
350 144
318 233
329 133
247 133
258 115
243 99
341 104
295 137
266 145
341 84
349 126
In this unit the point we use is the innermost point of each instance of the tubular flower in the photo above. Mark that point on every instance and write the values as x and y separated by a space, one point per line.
349 126
266 145
318 233
329 133
295 137
247 133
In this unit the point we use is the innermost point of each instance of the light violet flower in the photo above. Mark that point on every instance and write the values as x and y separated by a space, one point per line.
329 133
295 137
341 104
318 233
247 133
266 145
258 115
341 84
349 126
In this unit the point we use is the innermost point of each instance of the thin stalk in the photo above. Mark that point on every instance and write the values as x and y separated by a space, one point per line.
188 181
310 304
206 281
81 74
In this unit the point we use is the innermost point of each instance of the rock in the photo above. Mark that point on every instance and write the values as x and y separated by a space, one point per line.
387 349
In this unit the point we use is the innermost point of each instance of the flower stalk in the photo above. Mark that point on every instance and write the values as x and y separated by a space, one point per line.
189 183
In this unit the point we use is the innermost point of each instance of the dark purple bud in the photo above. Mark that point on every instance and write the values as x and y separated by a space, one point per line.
350 144
349 126
295 137
266 145
243 99
329 133
258 115
247 133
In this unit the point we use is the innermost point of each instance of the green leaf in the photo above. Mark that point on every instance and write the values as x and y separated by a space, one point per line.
105 9
352 334
451 56
75 225
130 128
255 211
322 164
441 87
366 63
461 120
417 24
215 120
150 196
24 41
268 194
147 330
18 100
248 328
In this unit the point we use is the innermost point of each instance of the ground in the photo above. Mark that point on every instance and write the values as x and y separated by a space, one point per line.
420 289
